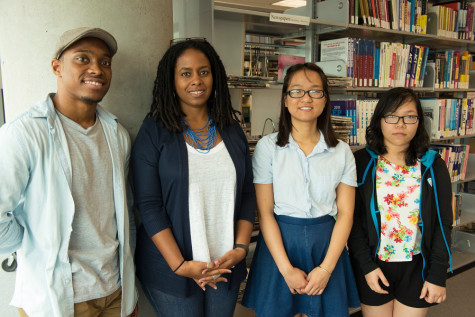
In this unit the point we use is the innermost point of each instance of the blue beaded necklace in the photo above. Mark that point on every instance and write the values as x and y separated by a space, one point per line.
202 139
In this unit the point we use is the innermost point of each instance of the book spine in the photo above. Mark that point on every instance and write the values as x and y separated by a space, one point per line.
409 67
357 12
415 57
377 57
424 17
424 65
351 11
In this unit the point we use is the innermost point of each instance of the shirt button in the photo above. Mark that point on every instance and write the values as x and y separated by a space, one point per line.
67 281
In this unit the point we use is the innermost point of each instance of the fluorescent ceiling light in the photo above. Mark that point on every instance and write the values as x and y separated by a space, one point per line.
291 3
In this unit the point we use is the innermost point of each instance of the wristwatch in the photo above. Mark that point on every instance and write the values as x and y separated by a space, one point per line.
242 246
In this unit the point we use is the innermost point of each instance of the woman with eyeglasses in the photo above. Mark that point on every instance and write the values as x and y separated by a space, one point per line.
304 178
193 188
399 244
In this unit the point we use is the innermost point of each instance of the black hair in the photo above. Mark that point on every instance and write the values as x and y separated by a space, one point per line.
165 105
323 121
389 102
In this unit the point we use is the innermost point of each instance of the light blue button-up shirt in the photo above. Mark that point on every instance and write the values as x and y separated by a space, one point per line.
37 209
304 186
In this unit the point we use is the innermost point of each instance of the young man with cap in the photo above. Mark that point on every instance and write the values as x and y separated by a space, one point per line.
63 202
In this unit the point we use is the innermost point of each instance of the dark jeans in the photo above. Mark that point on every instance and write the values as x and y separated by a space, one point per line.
210 303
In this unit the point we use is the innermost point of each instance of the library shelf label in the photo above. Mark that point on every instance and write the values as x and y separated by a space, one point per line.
289 18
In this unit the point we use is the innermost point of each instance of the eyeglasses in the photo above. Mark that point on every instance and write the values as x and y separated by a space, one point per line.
299 93
183 39
395 119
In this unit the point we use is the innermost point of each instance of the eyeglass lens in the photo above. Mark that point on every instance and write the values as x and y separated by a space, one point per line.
299 93
406 119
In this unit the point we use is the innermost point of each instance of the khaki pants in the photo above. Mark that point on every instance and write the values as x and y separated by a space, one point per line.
108 306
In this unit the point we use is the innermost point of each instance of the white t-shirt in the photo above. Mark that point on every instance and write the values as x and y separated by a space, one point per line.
212 192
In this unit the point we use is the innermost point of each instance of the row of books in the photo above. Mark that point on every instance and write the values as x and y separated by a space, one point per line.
402 15
235 81
378 64
455 20
452 68
360 112
402 65
455 157
389 64
448 117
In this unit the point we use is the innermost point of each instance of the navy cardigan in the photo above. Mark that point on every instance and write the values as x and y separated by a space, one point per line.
160 171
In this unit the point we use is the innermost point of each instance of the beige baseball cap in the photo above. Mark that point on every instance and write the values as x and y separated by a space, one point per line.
70 37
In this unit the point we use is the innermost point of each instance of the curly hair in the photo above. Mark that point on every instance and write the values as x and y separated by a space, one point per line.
165 104
323 121
389 102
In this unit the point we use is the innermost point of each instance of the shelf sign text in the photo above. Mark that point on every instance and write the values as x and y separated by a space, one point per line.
289 18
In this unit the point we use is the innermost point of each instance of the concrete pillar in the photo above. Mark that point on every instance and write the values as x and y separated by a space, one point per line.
2 112
193 18
29 30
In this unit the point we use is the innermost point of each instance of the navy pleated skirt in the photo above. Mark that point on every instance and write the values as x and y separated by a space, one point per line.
306 242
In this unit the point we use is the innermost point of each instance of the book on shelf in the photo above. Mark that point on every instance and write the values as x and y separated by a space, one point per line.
452 68
455 157
423 18
235 81
346 108
423 67
339 49
378 64
389 64
342 127
358 112
418 67
448 117
454 20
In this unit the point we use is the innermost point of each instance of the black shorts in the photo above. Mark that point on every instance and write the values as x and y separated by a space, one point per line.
405 284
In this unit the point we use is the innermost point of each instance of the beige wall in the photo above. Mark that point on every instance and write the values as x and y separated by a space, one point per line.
28 33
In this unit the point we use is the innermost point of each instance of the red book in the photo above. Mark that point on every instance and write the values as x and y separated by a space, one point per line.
465 160
361 64
392 72
371 47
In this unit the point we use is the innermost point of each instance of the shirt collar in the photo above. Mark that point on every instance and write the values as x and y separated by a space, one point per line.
319 148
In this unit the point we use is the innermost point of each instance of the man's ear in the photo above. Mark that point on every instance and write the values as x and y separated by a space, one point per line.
56 66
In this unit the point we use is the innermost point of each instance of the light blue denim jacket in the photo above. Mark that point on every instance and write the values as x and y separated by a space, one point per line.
37 209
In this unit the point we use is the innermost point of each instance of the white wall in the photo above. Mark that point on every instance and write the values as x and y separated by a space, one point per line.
229 43
29 30
265 104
